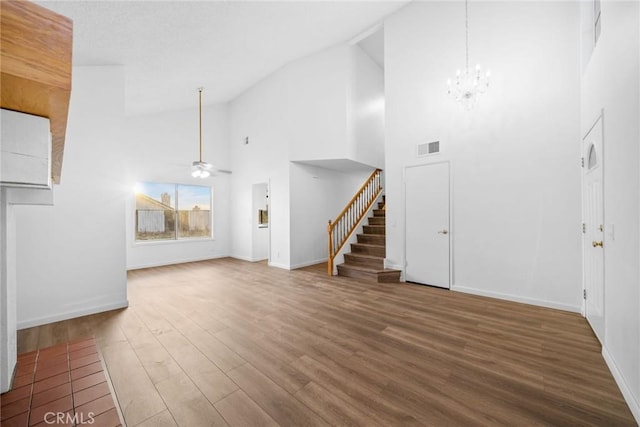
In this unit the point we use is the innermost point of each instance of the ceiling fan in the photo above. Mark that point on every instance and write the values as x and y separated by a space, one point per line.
200 168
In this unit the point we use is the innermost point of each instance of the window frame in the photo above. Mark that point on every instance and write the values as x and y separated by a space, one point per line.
175 239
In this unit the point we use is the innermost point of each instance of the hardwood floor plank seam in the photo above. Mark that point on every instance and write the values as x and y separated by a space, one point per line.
229 342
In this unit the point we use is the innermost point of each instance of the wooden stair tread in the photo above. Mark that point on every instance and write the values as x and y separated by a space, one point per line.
370 245
371 237
367 256
366 259
368 269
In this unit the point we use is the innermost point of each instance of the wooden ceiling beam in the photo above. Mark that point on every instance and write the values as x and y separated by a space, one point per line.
35 67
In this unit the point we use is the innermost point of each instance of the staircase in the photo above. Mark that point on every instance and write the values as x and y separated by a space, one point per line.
366 260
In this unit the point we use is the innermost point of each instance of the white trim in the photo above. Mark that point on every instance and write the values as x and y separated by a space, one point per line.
514 298
583 172
633 404
249 259
144 243
243 258
72 314
391 265
451 227
308 263
269 263
137 243
176 261
366 33
277 265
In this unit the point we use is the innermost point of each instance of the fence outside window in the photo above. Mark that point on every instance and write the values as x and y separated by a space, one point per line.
172 211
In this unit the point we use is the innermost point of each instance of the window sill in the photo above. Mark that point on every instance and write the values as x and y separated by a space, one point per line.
142 243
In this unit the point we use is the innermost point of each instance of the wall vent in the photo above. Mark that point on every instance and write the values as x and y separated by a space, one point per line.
428 148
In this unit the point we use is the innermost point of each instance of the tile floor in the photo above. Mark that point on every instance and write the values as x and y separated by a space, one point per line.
62 385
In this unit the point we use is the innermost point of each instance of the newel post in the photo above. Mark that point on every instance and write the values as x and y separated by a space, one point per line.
330 248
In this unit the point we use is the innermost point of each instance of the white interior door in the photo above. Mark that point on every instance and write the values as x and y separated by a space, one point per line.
427 234
593 241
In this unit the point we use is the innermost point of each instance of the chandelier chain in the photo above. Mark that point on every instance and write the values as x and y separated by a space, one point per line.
466 28
468 84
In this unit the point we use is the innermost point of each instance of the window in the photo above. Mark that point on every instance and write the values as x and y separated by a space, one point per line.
593 159
172 211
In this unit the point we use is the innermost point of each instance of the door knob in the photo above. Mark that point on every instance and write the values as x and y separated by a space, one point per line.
443 232
596 244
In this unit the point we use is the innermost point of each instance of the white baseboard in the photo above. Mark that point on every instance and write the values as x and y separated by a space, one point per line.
514 298
246 258
176 261
271 264
391 265
633 403
308 263
278 265
23 324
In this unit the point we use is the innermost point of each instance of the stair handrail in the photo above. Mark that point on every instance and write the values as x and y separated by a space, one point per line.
347 221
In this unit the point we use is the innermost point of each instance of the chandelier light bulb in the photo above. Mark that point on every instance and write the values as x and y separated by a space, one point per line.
468 84
467 87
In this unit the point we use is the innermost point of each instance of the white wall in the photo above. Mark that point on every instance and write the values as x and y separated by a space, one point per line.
335 102
299 113
161 148
71 256
9 197
316 109
30 136
515 157
365 109
260 115
8 316
317 196
610 84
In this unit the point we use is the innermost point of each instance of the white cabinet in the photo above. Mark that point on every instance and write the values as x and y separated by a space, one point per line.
25 150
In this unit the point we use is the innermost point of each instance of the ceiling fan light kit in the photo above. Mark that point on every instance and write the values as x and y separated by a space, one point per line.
200 169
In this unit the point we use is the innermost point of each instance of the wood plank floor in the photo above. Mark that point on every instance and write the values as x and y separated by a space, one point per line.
227 342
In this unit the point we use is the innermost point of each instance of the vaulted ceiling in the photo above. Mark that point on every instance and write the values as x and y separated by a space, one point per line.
169 49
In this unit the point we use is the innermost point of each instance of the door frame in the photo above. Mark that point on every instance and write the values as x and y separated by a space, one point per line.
451 225
594 122
267 184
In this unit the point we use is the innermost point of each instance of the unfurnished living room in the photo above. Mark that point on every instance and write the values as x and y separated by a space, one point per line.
294 213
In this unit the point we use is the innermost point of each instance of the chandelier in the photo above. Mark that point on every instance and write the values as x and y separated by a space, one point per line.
469 83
